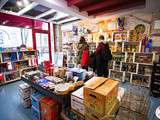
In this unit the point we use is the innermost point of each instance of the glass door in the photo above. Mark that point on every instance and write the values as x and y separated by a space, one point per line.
42 46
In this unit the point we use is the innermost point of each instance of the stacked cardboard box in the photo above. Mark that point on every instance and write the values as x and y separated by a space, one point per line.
25 92
49 109
77 101
100 98
36 110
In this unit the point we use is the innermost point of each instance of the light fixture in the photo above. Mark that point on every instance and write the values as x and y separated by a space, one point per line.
4 22
19 3
26 2
27 26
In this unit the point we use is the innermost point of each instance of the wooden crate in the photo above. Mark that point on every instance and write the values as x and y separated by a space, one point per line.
100 95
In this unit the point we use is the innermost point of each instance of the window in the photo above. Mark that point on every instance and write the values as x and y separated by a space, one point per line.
42 47
14 37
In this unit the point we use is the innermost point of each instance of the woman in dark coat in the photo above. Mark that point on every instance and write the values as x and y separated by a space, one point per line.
82 45
102 56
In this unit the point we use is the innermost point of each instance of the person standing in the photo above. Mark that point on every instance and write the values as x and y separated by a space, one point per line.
83 50
102 57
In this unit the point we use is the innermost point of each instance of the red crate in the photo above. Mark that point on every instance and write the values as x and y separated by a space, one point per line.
49 109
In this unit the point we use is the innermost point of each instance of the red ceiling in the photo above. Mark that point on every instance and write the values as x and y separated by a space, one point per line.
15 21
99 7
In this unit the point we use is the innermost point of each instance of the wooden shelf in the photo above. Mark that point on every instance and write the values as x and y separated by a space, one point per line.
27 51
21 60
129 72
142 75
13 80
28 68
117 71
9 52
10 72
129 62
151 64
17 55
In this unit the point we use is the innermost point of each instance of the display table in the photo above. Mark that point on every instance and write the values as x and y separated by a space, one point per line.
63 99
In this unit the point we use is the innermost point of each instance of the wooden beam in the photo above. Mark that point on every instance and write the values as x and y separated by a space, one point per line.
100 5
73 2
117 7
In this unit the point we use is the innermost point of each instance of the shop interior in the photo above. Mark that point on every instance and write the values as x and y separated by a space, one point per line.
46 73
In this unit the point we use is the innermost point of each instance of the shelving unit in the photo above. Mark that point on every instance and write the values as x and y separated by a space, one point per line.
155 82
13 64
71 58
129 64
131 69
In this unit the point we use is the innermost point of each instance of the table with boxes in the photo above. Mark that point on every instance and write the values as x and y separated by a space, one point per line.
96 100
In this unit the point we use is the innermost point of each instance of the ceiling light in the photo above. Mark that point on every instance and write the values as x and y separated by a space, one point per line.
19 3
27 26
26 2
4 22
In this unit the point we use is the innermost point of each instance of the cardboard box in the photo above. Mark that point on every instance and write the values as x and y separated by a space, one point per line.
36 113
24 95
77 99
100 94
35 100
26 102
49 109
23 88
91 115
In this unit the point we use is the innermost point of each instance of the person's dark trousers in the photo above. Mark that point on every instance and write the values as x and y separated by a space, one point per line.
102 72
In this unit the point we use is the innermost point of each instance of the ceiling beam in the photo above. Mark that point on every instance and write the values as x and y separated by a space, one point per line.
27 8
99 5
45 14
61 5
2 3
63 18
124 5
71 21
51 19
66 20
73 2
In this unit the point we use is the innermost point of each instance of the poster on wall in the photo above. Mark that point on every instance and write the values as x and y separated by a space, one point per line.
111 25
75 30
138 33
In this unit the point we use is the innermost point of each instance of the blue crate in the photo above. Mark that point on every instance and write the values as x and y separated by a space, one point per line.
36 113
35 100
